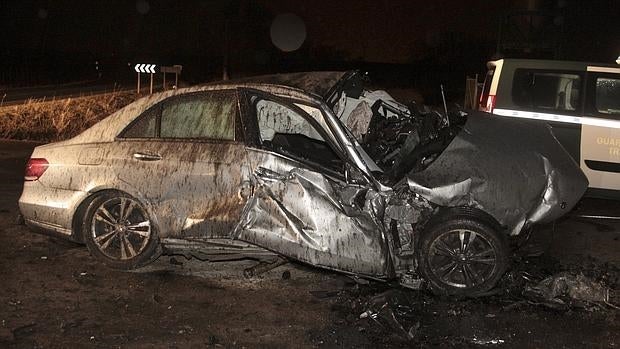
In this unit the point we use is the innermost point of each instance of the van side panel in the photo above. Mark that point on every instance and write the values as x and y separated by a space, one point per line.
562 94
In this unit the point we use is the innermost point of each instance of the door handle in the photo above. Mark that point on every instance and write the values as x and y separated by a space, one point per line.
146 157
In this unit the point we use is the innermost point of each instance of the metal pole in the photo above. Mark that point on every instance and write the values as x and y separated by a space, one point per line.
151 92
138 82
176 80
226 49
164 81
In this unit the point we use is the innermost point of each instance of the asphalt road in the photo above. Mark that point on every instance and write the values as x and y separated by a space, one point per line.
54 295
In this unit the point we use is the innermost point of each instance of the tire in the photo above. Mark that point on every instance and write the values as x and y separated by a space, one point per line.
126 242
462 256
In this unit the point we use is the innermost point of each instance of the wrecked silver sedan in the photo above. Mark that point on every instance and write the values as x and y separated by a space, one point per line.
308 166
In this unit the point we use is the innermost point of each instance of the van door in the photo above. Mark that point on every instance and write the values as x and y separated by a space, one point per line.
550 96
600 131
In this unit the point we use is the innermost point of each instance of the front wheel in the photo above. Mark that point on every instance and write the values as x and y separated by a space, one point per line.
462 256
119 232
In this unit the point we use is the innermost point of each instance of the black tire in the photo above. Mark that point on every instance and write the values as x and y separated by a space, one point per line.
126 242
462 256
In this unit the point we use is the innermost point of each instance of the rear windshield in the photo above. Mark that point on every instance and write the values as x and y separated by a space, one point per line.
546 90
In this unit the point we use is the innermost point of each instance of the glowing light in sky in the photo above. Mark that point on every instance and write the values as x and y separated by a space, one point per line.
143 7
288 32
42 13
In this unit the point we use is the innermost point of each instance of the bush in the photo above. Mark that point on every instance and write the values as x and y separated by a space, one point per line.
56 120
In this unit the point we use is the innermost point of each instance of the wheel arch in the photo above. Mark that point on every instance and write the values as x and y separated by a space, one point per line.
477 214
78 215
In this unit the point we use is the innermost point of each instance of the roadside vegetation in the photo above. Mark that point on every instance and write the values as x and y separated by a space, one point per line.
55 120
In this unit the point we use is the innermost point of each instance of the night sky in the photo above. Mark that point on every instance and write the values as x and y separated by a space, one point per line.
67 36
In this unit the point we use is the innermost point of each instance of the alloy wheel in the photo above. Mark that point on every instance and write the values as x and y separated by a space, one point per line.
121 228
462 258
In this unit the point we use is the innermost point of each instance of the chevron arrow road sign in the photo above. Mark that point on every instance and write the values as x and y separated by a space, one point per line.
145 68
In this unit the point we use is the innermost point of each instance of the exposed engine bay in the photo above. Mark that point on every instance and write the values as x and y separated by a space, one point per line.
399 138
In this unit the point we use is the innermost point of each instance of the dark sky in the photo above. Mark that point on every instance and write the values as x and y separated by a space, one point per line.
383 31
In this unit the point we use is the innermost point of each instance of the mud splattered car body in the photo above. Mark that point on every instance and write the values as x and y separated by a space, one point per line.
280 164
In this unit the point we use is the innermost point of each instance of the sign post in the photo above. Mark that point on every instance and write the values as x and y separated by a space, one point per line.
175 69
145 68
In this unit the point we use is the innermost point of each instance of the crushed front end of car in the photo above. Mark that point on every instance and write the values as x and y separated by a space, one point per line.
463 178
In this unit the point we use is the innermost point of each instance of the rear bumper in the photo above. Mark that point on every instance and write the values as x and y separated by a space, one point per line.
50 230
49 210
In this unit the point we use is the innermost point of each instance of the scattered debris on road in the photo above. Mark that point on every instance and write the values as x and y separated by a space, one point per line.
569 289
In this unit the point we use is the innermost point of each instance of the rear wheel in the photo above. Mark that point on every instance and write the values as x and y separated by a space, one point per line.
119 231
463 256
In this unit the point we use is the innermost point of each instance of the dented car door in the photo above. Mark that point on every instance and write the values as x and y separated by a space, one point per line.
301 205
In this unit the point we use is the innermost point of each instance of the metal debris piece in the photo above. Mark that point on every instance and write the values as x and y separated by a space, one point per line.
492 341
566 287
390 310
263 267
411 281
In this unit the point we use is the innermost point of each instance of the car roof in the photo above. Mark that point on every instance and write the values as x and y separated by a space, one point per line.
299 85
319 83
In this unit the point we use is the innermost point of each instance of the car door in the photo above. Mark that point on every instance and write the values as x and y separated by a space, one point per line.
600 132
186 158
302 206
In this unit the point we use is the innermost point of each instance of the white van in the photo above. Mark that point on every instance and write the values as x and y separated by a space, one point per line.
580 101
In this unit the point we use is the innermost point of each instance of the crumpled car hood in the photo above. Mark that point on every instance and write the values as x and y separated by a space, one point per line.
514 170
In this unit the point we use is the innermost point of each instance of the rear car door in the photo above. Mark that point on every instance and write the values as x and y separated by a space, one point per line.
302 206
186 158
600 132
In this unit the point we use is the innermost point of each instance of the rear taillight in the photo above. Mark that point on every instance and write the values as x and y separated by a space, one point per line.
490 104
35 168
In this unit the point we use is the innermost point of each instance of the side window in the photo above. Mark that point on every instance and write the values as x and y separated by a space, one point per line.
210 116
145 126
546 91
607 95
286 131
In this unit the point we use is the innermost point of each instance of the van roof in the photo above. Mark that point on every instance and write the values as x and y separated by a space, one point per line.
548 63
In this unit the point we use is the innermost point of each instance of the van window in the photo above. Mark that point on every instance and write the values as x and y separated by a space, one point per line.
546 90
608 95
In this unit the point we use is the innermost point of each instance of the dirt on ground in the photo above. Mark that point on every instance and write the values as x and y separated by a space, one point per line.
53 294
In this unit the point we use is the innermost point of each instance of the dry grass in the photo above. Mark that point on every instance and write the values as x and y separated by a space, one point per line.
56 120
